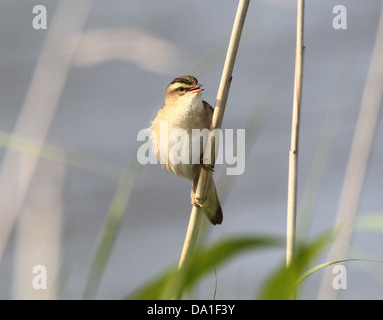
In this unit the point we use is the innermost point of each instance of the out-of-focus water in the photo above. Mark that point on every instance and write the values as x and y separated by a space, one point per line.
129 52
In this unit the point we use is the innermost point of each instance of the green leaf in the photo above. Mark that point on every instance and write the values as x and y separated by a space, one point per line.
110 229
371 222
282 284
326 264
173 281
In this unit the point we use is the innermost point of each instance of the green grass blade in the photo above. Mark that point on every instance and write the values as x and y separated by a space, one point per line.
371 222
60 155
330 263
282 284
111 227
173 281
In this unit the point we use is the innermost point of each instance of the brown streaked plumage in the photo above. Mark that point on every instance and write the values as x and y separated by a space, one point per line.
185 109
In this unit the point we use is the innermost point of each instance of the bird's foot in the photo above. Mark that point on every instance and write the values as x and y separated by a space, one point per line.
206 166
196 200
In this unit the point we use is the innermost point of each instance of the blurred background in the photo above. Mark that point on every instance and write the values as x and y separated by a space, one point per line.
73 97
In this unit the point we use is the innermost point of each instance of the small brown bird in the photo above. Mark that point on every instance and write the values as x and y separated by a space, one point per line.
184 109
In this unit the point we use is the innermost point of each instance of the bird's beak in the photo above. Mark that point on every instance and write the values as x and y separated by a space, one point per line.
197 88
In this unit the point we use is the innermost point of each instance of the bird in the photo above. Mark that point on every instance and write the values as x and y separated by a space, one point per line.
185 110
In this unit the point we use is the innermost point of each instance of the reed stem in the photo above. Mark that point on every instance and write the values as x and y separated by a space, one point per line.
357 162
223 92
293 156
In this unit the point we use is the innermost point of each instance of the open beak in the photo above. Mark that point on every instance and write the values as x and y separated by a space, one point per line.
197 88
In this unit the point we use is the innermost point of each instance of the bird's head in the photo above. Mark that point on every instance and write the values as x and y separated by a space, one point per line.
181 88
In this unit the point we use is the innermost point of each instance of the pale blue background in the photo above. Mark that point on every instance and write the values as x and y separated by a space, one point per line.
104 106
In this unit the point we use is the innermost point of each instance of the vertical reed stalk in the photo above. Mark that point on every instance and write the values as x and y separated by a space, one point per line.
293 156
223 92
38 235
358 160
17 169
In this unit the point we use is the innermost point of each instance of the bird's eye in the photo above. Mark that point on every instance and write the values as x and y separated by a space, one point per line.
181 89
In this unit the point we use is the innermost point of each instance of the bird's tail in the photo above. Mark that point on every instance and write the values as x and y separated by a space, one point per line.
212 207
